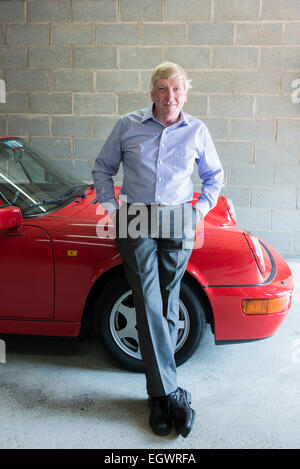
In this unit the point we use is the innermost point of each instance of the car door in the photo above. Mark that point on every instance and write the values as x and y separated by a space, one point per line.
26 275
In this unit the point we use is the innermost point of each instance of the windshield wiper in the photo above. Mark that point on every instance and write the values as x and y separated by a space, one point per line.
41 204
70 192
73 191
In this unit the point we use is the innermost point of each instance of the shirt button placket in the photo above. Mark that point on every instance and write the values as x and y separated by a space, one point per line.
159 167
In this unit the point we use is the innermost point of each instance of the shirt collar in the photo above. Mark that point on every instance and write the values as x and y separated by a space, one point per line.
148 114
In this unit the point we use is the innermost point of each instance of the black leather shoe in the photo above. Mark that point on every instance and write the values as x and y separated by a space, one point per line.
183 414
160 419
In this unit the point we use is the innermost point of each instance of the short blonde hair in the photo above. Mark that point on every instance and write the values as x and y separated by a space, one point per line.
169 70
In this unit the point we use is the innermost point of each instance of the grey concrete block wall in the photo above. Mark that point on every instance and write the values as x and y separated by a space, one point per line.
72 67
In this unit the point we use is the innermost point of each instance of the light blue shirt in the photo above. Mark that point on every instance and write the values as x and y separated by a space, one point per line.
158 162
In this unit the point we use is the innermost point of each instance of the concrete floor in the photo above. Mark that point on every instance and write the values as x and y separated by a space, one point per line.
61 393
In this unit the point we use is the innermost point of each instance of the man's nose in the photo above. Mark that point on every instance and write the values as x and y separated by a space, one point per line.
169 94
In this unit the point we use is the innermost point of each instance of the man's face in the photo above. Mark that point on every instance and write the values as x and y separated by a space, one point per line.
169 96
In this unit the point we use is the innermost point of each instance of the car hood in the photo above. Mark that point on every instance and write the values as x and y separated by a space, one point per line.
221 257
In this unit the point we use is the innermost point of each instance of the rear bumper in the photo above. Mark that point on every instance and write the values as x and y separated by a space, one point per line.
230 324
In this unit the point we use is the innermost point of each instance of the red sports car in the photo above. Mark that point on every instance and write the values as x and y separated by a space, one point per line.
61 270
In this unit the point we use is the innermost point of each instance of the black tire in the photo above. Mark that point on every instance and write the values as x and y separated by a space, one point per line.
115 301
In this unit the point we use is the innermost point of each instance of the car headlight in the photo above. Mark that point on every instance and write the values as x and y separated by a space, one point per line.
230 208
256 250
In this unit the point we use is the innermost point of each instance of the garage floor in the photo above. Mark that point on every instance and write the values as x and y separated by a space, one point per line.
62 393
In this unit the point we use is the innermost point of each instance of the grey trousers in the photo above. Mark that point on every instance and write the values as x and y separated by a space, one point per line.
154 266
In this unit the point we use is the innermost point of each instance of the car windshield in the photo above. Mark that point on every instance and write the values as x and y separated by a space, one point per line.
33 182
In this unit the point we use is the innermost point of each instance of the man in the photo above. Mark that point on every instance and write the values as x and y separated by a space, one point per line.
158 147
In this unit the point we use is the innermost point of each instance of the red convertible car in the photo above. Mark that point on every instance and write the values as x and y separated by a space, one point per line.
61 271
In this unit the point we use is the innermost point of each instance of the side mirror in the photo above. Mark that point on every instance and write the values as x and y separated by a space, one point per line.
11 221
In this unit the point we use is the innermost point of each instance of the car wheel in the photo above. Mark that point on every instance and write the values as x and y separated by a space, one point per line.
115 323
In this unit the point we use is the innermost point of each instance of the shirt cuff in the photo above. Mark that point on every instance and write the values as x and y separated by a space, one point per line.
203 206
110 206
